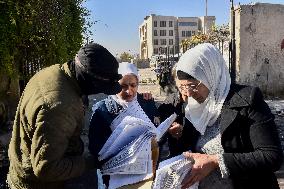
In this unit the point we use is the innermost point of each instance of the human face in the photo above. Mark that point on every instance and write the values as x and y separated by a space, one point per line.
129 85
192 88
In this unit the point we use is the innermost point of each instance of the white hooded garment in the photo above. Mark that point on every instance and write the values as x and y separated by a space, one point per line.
126 68
205 63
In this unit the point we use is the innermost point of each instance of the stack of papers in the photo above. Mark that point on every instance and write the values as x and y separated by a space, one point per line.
171 173
128 149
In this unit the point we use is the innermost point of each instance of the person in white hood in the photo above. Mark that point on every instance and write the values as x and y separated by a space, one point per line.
105 111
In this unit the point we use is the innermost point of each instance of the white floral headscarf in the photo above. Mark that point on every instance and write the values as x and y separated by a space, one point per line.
206 64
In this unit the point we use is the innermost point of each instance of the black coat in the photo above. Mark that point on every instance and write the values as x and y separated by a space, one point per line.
252 151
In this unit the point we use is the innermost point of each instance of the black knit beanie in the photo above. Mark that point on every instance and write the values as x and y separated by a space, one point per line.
96 70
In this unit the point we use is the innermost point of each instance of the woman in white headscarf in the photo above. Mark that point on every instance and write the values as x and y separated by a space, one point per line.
105 111
237 145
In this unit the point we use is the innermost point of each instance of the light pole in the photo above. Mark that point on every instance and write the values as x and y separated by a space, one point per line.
167 55
206 8
205 18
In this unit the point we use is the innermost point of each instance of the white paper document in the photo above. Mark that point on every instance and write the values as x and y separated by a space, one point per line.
128 149
126 132
163 127
171 173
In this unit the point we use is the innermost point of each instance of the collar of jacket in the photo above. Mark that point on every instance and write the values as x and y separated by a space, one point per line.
239 96
73 80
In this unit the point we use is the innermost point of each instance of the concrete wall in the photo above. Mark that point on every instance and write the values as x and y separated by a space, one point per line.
260 60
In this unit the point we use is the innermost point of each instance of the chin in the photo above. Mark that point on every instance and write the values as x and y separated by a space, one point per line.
129 100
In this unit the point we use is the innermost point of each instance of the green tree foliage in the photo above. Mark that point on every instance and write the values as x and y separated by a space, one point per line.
35 34
126 57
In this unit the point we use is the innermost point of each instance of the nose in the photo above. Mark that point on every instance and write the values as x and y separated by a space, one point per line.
127 90
188 93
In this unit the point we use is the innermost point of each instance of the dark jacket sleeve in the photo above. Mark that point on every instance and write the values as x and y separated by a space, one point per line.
99 131
266 154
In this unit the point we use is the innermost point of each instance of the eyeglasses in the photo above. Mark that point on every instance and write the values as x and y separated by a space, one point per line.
190 87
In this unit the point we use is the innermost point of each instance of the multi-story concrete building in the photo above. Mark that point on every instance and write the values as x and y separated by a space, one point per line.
161 34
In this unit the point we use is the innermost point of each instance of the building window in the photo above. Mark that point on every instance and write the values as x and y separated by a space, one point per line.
155 33
162 50
163 32
163 42
171 50
156 42
170 23
171 41
163 24
156 51
176 49
188 33
155 23
171 33
187 23
193 32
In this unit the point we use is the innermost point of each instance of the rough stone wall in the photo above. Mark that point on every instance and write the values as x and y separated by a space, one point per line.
260 60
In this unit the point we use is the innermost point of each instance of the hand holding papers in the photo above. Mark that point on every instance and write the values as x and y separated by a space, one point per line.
128 149
164 126
171 173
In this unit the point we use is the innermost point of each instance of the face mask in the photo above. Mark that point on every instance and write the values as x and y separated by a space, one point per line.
192 103
195 108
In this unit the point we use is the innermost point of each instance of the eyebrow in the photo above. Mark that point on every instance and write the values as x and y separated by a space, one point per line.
129 83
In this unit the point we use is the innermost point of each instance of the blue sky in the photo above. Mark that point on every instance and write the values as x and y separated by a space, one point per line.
118 20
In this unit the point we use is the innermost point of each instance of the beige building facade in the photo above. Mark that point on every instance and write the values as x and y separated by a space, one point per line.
162 34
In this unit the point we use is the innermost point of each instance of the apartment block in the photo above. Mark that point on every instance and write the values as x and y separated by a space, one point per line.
163 34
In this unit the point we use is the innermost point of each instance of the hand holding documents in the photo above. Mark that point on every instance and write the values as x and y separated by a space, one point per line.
171 173
128 149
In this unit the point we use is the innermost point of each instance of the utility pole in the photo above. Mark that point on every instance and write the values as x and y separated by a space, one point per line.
205 18
206 8
232 55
